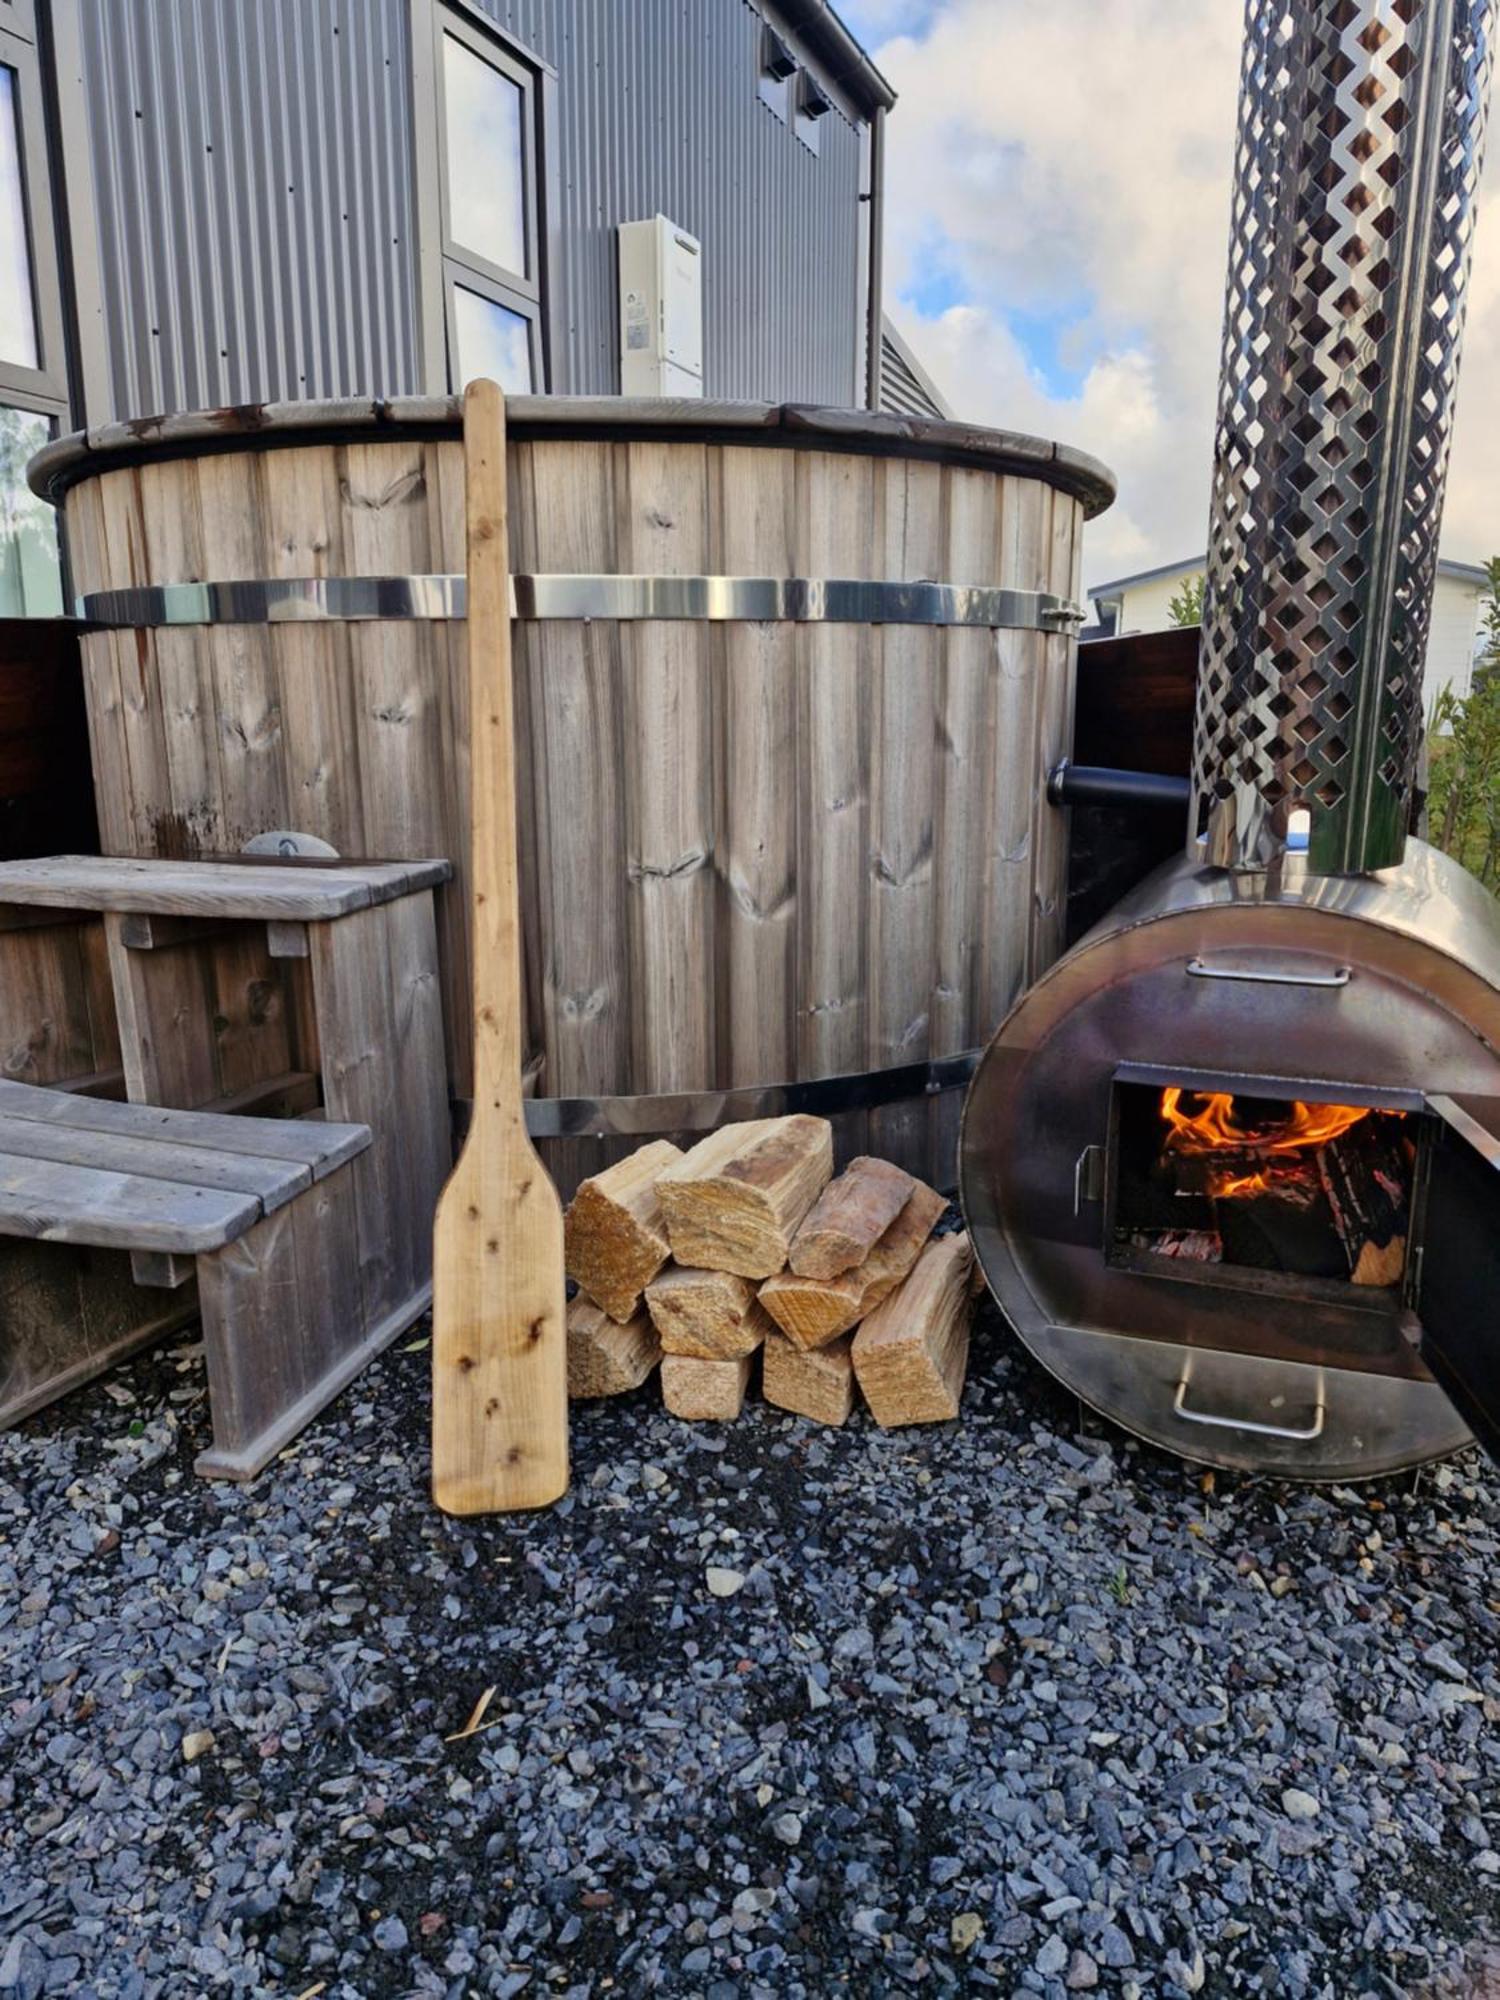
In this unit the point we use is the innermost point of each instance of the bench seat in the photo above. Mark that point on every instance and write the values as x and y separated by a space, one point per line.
135 1177
264 1206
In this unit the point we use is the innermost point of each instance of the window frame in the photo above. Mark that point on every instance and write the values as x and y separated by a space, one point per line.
444 263
43 390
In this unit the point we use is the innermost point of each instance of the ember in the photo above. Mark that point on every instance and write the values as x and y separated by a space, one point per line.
1314 1190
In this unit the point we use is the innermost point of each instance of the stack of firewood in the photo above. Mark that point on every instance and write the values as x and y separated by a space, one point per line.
747 1245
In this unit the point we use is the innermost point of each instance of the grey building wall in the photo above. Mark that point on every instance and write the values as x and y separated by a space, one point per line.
251 177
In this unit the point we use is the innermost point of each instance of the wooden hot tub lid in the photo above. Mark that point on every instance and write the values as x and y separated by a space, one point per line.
792 426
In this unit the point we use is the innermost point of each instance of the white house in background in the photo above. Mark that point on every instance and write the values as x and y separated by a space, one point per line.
1139 604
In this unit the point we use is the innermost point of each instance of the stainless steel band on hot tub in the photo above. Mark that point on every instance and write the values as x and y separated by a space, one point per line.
712 599
705 1110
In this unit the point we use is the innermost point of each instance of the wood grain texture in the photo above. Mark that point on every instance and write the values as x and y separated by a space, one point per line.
499 1346
69 1314
668 688
849 1218
813 1311
734 1201
836 537
704 1391
606 1358
902 888
816 1383
911 1354
614 1232
710 1314
748 852
757 840
1009 817
236 891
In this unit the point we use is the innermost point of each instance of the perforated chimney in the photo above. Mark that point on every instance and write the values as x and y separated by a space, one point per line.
1360 139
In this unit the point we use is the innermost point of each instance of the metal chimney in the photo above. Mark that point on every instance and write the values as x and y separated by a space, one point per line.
1360 141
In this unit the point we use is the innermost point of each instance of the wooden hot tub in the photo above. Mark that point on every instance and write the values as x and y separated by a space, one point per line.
788 680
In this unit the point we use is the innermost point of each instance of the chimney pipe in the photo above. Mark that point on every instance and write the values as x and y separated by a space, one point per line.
1360 143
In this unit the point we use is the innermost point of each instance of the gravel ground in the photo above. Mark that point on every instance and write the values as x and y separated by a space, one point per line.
1010 1706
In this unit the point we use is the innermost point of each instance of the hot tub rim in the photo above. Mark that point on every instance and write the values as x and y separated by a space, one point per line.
84 454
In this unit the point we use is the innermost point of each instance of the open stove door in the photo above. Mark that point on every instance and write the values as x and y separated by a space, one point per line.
1458 1292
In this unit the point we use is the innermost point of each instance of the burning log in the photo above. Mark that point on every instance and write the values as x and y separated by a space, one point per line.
1191 1246
1366 1176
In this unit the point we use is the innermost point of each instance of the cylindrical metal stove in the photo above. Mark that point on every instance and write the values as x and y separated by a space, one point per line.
1233 1167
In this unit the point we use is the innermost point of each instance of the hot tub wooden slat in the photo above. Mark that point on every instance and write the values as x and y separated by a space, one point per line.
758 844
836 537
901 884
667 708
750 852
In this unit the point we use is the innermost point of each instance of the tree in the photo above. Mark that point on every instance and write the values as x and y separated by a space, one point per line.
1464 807
1185 607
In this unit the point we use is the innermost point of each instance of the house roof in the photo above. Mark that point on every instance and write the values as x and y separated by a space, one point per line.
905 385
836 50
1474 573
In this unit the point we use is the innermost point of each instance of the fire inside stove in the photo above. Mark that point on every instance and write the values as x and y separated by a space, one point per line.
1317 1192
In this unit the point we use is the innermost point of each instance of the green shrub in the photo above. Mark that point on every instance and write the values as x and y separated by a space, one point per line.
1464 804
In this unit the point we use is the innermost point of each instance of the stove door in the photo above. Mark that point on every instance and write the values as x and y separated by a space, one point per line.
1458 1296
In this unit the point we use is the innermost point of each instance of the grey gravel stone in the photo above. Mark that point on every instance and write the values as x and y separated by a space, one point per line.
1029 1694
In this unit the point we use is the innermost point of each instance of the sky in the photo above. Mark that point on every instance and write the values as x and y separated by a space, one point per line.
1058 180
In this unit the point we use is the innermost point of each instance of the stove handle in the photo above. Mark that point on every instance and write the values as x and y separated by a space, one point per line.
1267 975
1294 1436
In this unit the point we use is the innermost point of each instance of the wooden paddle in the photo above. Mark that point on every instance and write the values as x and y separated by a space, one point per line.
499 1339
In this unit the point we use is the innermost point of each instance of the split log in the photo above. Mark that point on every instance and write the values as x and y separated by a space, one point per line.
604 1358
817 1383
704 1391
734 1202
711 1314
849 1218
813 1311
615 1237
911 1354
1366 1175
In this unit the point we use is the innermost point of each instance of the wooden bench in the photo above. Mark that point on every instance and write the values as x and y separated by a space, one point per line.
265 1209
250 984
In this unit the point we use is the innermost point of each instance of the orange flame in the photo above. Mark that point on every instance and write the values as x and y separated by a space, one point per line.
1217 1126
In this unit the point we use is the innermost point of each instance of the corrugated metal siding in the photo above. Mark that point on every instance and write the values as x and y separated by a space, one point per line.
658 109
252 180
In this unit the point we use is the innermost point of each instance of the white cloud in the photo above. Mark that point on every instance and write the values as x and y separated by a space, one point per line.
1079 155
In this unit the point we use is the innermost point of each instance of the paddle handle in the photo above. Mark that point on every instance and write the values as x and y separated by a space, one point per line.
494 868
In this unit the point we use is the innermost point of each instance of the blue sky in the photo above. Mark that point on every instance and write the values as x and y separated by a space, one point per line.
1057 197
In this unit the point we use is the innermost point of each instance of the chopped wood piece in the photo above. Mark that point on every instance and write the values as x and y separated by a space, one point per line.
734 1203
813 1311
1366 1173
817 1384
615 1237
710 1314
911 1353
705 1391
849 1218
604 1358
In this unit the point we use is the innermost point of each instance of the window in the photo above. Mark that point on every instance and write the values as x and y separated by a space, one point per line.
30 570
33 382
488 149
